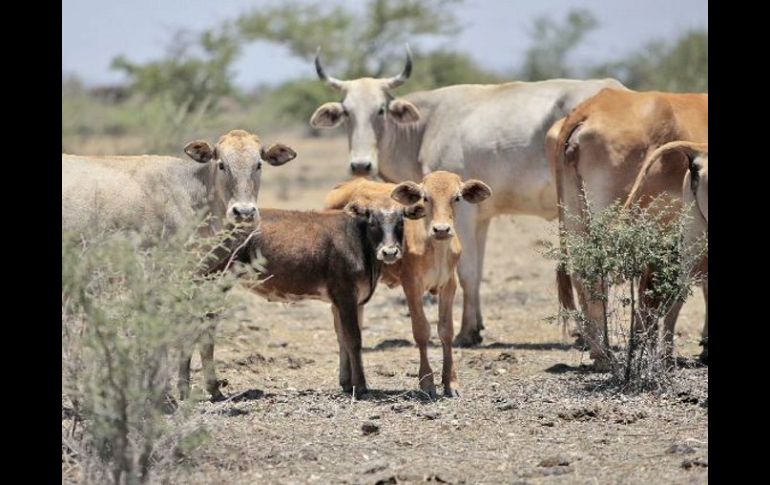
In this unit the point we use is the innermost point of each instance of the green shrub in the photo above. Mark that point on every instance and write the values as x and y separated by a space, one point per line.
126 311
617 249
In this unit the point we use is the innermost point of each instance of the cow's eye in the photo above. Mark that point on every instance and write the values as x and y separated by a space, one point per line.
425 198
259 165
381 111
221 165
457 198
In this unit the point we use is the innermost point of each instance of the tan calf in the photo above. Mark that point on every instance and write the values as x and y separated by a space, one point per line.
431 252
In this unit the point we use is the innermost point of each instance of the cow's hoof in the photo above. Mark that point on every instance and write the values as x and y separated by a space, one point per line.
217 396
346 388
450 391
360 391
465 340
602 365
704 355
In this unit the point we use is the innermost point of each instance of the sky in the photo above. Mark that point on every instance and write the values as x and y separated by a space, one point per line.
495 32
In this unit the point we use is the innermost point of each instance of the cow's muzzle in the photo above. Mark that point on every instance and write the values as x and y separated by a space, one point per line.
361 167
441 231
389 254
244 213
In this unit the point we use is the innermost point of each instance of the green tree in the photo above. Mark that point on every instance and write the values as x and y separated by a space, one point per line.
552 42
354 44
676 66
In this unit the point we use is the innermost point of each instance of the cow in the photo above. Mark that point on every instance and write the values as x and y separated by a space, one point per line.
157 194
488 132
334 256
432 250
695 197
596 153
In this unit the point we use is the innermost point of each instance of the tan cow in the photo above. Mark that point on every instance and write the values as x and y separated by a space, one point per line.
597 151
695 195
432 250
156 194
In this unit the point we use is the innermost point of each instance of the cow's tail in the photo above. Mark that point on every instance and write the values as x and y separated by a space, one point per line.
689 148
557 156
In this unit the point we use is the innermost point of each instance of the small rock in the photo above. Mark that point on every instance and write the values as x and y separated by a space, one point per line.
369 428
386 480
697 462
506 357
375 416
375 467
554 461
507 406
680 449
430 415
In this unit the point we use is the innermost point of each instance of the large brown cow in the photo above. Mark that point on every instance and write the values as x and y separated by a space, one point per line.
596 152
695 196
431 253
488 132
328 256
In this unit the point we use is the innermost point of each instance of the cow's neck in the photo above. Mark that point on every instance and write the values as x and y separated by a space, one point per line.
399 148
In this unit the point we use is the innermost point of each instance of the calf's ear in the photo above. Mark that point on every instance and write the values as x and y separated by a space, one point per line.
475 191
407 193
328 115
200 150
278 154
356 210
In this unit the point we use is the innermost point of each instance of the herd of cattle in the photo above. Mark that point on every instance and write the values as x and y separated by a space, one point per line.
451 159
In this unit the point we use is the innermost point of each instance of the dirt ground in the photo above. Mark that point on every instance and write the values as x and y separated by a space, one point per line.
528 411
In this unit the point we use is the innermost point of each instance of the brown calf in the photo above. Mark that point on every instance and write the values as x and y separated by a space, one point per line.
328 256
431 252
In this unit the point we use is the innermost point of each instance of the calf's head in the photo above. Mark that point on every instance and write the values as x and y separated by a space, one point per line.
439 193
384 225
235 172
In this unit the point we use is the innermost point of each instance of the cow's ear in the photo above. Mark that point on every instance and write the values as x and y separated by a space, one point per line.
328 115
278 154
356 210
407 193
201 151
416 211
403 111
475 191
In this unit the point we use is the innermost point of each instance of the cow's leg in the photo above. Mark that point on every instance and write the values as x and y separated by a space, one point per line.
209 368
446 298
669 326
704 355
595 328
345 378
351 335
183 382
482 229
470 276
420 330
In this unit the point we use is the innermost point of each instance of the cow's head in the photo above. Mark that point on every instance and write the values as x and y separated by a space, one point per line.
439 192
385 223
235 172
367 106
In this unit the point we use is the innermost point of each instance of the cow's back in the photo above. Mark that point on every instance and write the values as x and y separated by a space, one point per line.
303 252
495 133
146 193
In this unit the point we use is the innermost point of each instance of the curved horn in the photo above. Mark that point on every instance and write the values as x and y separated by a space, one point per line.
397 81
331 81
688 148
